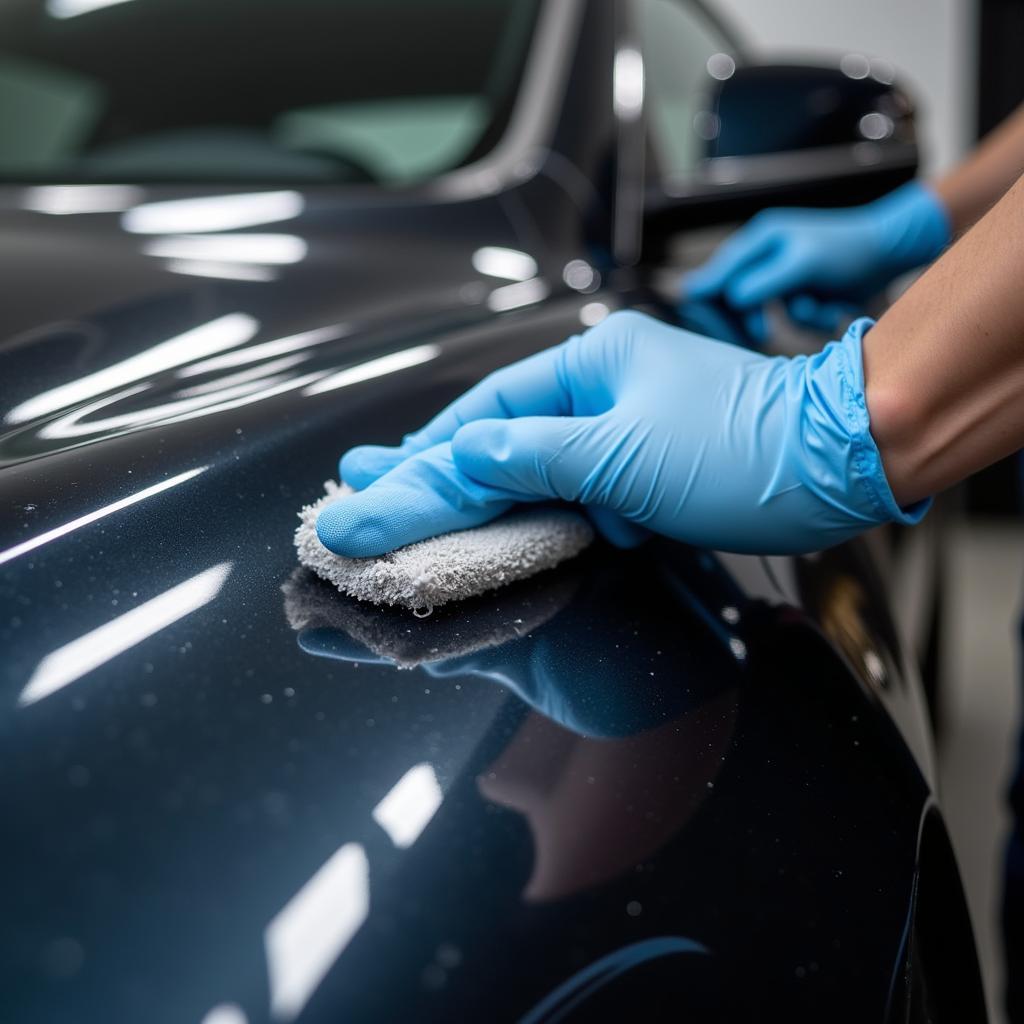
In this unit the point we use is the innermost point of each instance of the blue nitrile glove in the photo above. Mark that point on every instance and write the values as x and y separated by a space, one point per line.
534 669
821 261
692 438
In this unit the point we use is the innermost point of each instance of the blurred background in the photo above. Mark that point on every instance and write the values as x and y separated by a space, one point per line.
940 65
961 71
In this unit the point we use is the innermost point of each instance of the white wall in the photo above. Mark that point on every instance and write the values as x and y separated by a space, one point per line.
930 42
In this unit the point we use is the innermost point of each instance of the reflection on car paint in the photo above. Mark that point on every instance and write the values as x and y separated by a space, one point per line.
379 367
81 656
499 261
310 932
213 213
587 986
409 805
63 200
267 350
601 724
225 332
620 711
91 517
243 247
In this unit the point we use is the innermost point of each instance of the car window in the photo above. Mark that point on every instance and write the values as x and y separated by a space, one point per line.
684 50
384 91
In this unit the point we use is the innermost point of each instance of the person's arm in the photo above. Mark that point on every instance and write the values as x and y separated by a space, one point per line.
653 427
944 367
978 182
826 264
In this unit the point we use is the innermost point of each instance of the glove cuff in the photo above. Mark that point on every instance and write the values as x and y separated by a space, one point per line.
867 474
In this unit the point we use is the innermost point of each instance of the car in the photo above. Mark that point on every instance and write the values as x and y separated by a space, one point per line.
660 784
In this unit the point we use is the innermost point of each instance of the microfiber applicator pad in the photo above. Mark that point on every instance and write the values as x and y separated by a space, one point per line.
475 625
450 567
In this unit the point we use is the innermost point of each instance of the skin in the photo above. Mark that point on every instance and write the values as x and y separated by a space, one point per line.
944 367
971 188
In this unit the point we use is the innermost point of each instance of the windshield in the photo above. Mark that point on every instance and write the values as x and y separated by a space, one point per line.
380 91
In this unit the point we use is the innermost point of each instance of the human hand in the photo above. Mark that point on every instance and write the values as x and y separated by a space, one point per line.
692 438
823 264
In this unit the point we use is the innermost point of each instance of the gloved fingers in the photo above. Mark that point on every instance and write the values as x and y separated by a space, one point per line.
423 496
546 457
615 529
533 457
819 314
749 244
534 386
713 321
781 270
756 324
360 466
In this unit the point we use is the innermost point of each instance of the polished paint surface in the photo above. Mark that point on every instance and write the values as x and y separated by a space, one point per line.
664 755
665 784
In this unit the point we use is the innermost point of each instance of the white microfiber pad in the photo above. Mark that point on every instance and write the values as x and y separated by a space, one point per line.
475 625
450 567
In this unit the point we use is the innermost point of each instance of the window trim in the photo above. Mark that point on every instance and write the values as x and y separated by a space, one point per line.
519 153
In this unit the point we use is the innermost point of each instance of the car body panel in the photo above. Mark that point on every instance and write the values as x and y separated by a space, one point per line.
680 784
171 801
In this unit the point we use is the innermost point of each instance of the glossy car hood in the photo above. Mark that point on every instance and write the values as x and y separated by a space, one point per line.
117 305
645 775
62 265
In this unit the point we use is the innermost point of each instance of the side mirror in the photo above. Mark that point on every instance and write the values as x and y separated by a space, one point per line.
776 109
790 134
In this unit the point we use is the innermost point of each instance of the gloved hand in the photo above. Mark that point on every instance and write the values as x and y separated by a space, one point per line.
819 262
692 438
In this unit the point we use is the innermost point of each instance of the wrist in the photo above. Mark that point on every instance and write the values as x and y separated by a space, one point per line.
898 424
896 430
881 429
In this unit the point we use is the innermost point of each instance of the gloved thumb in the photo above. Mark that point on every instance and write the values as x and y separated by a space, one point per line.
531 456
749 246
770 278
819 314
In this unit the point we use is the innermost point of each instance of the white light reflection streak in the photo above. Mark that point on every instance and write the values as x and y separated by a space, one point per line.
221 271
224 332
262 373
81 656
267 349
376 368
310 933
73 8
407 809
522 293
76 424
628 84
495 261
67 199
241 395
100 513
213 213
225 1013
272 249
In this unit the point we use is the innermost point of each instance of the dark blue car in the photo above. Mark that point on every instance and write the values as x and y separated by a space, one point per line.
237 238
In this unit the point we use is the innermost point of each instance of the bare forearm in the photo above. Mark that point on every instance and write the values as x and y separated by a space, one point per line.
970 189
944 367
